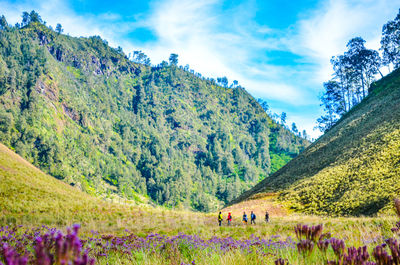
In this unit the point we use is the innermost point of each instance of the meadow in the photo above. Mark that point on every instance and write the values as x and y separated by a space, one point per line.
36 211
147 235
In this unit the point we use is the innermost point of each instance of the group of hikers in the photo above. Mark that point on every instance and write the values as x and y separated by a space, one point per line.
244 218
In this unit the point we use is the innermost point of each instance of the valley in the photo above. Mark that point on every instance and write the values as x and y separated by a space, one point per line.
108 159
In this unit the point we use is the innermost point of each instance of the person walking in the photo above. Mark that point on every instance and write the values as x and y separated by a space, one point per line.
220 218
266 216
253 218
229 219
244 218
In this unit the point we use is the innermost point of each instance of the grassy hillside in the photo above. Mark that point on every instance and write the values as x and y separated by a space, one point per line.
354 168
27 193
84 113
30 197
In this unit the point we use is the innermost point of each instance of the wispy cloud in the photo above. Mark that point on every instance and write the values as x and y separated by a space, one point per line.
326 30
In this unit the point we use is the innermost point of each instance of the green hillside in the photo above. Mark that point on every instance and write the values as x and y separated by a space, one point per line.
353 169
84 113
29 197
26 193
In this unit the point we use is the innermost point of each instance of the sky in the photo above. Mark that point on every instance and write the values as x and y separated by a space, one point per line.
279 50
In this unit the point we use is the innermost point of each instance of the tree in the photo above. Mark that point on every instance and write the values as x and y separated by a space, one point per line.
25 18
304 134
222 81
140 57
59 28
3 22
365 62
294 128
390 43
35 17
333 106
173 59
354 72
235 83
263 104
283 118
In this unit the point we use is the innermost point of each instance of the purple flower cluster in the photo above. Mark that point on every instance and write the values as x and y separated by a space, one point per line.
106 244
311 233
50 246
307 236
42 246
381 255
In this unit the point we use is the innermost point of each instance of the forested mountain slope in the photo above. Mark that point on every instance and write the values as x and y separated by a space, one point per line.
352 169
84 113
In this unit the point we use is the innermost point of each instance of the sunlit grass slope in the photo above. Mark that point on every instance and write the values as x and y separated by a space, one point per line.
353 169
28 193
30 197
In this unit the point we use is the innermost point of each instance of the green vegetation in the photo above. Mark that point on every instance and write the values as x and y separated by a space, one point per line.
354 168
84 113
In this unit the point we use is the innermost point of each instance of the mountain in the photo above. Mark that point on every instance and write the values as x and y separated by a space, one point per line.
28 193
354 168
86 114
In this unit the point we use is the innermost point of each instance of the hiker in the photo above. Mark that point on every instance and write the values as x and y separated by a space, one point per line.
244 218
220 218
266 216
229 219
253 218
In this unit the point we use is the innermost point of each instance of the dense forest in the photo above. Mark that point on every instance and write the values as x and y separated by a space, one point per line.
90 115
354 73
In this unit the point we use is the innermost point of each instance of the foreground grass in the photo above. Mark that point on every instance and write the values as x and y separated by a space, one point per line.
161 241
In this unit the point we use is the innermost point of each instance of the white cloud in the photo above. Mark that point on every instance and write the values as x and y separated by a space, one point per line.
326 30
219 43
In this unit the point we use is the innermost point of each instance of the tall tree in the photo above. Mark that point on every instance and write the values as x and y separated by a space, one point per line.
365 62
390 43
263 104
35 17
141 57
354 72
222 81
333 106
25 18
3 22
294 128
173 59
59 28
344 75
283 118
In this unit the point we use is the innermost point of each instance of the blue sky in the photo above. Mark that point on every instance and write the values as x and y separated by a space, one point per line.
279 50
